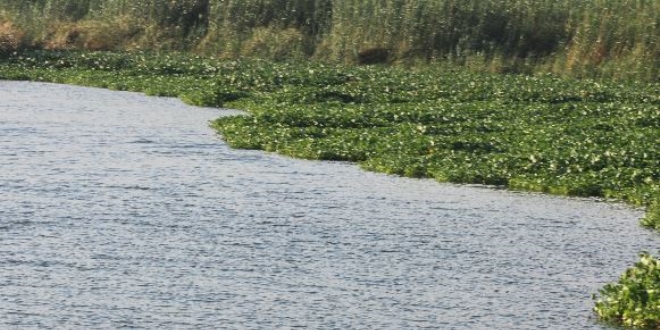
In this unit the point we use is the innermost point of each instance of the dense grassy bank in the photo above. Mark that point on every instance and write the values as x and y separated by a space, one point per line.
581 38
535 133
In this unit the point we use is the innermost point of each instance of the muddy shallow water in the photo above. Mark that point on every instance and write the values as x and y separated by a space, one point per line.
119 210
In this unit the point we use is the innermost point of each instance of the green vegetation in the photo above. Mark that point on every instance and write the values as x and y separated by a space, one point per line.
633 301
592 38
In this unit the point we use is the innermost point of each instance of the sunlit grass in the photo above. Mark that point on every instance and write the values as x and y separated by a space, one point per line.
595 38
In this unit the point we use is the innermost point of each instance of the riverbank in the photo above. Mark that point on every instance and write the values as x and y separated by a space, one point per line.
533 133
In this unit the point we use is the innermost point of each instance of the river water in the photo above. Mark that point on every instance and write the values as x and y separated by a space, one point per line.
121 211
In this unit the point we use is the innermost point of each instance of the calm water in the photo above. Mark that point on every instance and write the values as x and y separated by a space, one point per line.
122 211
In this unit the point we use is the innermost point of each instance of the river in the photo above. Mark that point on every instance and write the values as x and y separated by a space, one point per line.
122 211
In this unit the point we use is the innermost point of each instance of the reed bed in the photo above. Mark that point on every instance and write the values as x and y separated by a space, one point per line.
593 38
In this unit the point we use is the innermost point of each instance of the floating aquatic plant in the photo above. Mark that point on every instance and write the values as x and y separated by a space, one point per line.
634 300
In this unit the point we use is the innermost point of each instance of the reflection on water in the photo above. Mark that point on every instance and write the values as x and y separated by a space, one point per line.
124 211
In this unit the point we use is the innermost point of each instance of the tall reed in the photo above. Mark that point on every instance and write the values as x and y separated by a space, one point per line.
609 38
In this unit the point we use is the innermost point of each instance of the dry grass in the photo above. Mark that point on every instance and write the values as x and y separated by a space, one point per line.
595 38
11 37
116 34
278 44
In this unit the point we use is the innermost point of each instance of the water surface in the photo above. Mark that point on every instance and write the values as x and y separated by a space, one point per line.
119 210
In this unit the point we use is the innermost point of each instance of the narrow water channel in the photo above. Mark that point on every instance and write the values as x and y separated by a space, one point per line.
121 211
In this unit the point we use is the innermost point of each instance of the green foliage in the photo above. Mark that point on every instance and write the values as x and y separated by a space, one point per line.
633 301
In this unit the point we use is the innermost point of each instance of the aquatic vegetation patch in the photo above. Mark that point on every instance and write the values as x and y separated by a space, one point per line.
652 218
634 300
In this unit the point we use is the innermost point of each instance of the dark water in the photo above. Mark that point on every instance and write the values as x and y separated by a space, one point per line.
120 211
